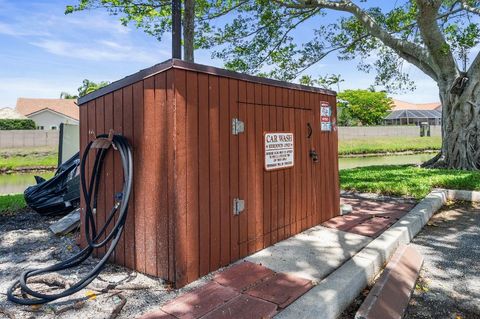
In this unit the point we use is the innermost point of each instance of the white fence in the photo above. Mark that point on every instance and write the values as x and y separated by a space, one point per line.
28 138
345 133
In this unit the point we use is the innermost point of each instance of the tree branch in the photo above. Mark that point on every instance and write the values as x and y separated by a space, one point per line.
434 40
469 8
409 51
310 12
330 50
224 12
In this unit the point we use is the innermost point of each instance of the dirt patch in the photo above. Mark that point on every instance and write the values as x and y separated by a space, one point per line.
26 243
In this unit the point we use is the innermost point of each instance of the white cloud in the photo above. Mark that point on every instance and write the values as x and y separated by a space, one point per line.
14 30
101 51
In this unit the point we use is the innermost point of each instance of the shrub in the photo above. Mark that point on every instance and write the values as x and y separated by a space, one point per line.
17 124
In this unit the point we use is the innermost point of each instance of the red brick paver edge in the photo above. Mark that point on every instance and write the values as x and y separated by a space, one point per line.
390 295
245 290
369 218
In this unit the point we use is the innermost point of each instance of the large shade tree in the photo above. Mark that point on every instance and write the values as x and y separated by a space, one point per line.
283 38
438 37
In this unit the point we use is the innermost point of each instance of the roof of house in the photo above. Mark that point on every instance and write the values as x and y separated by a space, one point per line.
8 113
67 107
402 105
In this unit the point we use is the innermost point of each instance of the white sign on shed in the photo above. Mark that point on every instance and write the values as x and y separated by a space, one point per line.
279 150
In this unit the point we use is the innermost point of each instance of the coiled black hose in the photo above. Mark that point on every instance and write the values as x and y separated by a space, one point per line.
90 194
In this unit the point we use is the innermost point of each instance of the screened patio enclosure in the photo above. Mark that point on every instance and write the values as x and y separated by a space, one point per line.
413 117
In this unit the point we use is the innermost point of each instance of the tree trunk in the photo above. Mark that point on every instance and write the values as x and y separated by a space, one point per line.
188 30
460 128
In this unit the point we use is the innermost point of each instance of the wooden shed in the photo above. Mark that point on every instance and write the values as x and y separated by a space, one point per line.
224 164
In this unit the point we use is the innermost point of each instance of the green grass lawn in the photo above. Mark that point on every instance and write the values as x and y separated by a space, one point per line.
11 203
388 145
17 161
410 181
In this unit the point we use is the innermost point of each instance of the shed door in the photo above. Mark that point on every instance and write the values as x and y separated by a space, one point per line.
277 203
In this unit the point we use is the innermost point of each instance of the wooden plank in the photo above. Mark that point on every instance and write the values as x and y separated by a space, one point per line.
193 230
214 133
303 158
309 120
169 116
151 231
101 208
91 158
83 143
288 172
129 230
139 189
234 222
259 153
225 207
281 173
298 164
251 167
315 166
273 174
109 158
293 193
329 174
324 161
267 240
336 181
180 188
117 167
204 174
243 172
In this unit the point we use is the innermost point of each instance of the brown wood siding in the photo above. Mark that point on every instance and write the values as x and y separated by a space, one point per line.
189 167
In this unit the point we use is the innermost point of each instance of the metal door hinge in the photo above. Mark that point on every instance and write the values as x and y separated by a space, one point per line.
238 206
237 126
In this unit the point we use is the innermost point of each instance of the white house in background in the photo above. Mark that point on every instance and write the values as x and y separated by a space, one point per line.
48 114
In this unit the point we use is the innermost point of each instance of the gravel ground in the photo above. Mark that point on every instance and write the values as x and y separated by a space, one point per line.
449 283
26 242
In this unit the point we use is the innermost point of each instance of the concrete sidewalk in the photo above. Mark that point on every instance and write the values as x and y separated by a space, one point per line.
312 254
338 265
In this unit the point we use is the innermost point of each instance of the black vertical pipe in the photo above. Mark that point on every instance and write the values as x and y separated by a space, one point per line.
176 29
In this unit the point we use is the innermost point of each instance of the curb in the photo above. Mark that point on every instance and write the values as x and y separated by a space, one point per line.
390 295
336 292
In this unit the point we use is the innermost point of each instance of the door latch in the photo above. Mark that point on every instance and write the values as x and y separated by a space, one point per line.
314 156
238 206
237 126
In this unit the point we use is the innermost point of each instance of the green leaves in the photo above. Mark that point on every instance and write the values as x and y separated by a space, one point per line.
364 106
90 86
17 124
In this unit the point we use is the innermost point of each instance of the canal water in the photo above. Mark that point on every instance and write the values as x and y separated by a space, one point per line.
17 183
353 162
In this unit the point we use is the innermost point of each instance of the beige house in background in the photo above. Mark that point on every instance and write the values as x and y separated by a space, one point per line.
8 113
48 114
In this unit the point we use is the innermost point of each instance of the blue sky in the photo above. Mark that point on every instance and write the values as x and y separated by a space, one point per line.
44 52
